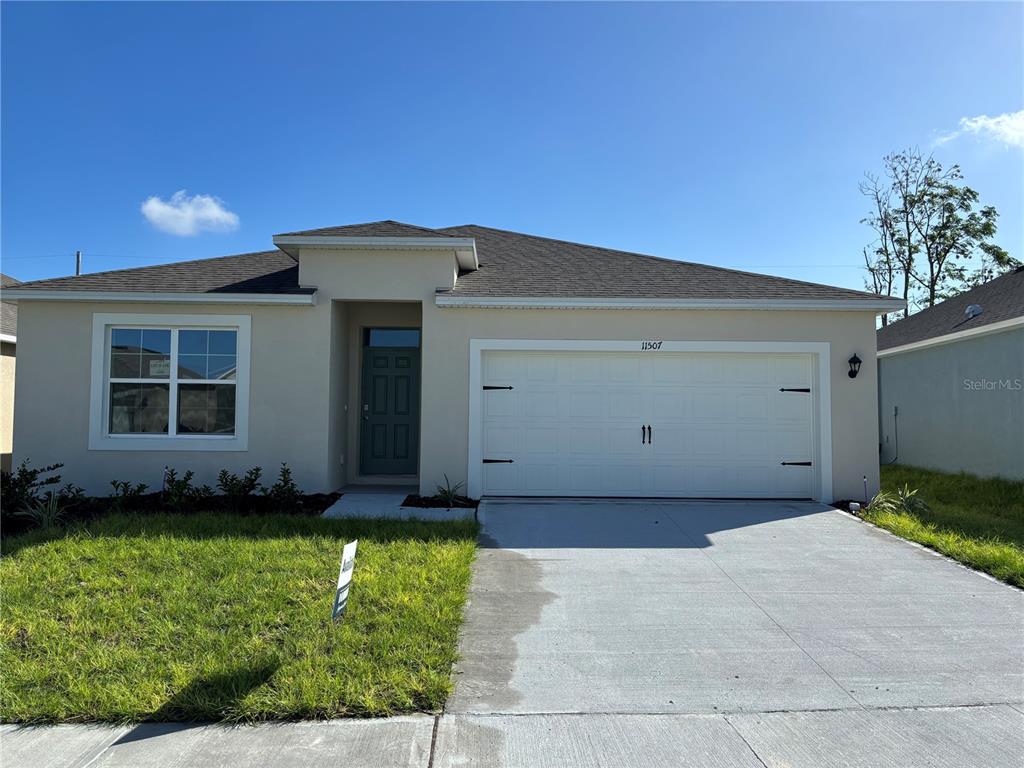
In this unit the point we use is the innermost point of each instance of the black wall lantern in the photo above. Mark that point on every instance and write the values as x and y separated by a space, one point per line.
854 366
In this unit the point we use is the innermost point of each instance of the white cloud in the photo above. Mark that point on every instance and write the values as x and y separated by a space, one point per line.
186 216
1007 128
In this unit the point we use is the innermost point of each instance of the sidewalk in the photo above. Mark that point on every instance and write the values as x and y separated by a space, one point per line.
953 737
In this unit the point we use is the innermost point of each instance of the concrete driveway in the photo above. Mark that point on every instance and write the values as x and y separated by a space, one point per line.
769 633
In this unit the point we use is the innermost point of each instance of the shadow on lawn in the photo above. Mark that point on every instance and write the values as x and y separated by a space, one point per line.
217 525
220 693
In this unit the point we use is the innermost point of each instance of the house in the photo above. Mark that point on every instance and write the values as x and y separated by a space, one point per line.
951 383
8 350
391 353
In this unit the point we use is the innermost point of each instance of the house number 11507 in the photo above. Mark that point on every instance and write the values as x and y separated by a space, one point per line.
648 345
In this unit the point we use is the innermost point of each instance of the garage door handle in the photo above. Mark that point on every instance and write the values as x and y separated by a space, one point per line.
796 463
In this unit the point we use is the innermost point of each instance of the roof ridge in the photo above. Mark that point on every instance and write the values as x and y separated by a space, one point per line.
106 272
671 261
313 232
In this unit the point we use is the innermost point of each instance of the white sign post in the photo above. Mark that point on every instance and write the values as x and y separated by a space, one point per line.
348 561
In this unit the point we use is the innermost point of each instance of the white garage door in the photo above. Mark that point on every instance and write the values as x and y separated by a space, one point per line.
668 424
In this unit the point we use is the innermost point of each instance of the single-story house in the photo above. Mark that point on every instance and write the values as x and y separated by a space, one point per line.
8 351
391 353
951 383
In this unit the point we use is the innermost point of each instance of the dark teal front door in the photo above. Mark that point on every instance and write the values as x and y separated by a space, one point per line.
390 418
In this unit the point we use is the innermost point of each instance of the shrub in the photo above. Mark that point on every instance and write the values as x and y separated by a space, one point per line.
284 493
898 502
449 493
238 490
45 513
23 486
124 493
180 494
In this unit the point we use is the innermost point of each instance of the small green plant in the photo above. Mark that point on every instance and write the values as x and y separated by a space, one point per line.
180 494
45 513
22 487
284 493
124 493
899 502
449 493
237 490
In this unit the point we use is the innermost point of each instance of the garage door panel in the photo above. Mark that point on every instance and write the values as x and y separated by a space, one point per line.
623 441
538 441
587 404
502 479
754 406
586 441
711 405
501 441
540 403
571 424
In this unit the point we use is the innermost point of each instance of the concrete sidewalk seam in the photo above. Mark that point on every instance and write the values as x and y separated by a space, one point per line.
744 740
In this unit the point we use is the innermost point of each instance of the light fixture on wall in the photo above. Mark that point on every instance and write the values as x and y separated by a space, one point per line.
854 366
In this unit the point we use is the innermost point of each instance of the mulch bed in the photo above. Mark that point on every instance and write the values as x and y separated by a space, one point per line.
433 502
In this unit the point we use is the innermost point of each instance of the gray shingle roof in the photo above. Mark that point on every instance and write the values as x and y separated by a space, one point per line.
386 228
8 310
514 264
260 272
999 299
511 264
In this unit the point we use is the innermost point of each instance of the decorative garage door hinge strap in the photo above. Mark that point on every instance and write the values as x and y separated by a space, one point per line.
796 463
794 389
487 386
498 461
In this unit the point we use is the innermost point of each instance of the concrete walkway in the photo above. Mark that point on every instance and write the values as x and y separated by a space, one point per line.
629 635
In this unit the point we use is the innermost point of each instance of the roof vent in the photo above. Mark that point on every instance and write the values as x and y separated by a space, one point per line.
973 310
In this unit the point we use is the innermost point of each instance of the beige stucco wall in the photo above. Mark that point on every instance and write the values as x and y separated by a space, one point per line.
305 372
447 331
288 408
7 366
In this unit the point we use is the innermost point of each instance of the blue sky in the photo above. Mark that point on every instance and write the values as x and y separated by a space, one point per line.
731 134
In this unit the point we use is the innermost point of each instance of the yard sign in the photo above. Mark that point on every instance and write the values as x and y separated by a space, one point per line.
348 561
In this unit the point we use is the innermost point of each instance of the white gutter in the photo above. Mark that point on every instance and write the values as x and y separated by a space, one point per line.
464 247
304 299
985 330
879 306
7 338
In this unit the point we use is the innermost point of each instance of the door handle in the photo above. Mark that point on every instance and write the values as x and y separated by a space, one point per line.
650 435
643 435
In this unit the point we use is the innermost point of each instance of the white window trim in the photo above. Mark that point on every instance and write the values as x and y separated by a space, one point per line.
99 437
821 352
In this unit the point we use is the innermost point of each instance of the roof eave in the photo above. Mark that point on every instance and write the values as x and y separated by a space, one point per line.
307 298
880 305
464 247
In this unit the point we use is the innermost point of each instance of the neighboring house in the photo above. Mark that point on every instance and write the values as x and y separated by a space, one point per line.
521 365
951 383
8 349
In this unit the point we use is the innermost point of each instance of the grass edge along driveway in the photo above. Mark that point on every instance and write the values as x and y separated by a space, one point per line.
977 521
223 617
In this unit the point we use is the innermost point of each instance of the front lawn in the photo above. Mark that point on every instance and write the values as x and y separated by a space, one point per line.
227 617
978 522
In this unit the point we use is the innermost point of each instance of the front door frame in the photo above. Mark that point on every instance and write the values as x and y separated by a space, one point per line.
821 353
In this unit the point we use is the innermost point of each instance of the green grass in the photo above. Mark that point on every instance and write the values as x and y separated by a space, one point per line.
979 522
221 617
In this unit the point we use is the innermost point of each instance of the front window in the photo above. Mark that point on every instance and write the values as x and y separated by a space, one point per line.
172 381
